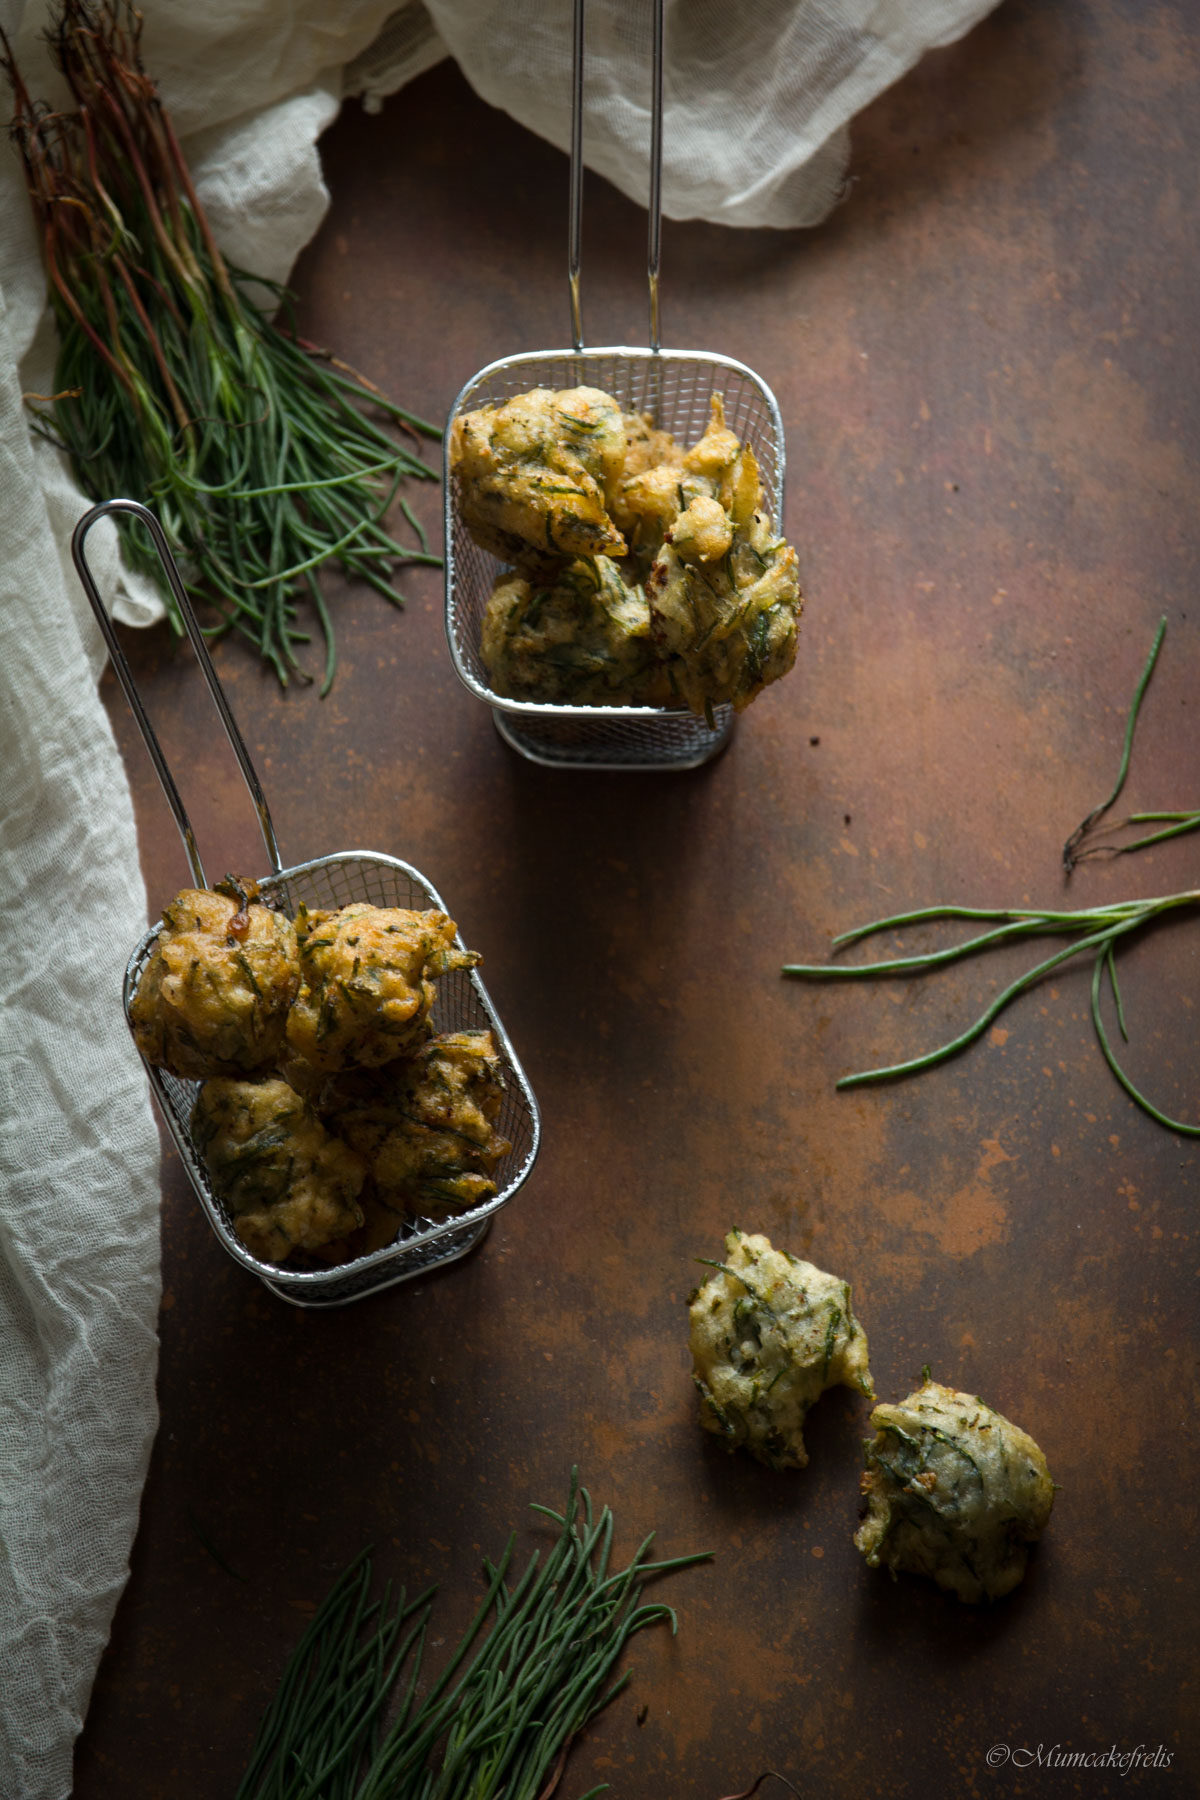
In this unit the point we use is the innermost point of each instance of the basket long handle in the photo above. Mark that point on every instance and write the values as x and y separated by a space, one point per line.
654 207
132 509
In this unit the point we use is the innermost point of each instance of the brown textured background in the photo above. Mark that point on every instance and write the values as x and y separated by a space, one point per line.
987 365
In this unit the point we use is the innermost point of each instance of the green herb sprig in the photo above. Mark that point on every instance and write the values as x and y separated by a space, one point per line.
1096 930
500 1718
1077 849
257 450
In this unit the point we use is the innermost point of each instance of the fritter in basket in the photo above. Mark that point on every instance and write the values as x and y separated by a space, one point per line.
723 591
769 1334
954 1491
581 636
425 1126
644 574
366 988
287 1183
214 996
534 475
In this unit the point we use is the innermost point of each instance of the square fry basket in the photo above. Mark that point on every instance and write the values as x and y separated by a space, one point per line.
674 387
342 879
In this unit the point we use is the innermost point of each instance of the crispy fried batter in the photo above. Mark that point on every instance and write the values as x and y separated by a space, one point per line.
426 1125
367 975
287 1183
729 625
583 638
214 997
954 1491
724 592
769 1334
646 447
698 550
534 476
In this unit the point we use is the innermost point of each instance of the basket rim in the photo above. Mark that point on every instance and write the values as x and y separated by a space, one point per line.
536 709
324 1283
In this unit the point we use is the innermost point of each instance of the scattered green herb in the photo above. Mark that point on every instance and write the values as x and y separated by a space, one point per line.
255 449
1097 930
500 1718
1176 823
767 1775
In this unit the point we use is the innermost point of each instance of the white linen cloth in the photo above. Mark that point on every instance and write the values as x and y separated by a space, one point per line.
756 98
757 103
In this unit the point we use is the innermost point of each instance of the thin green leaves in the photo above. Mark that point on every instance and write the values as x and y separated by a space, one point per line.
1174 823
533 1667
259 453
1096 931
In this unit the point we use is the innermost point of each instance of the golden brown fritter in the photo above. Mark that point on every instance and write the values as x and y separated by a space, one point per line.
655 490
769 1334
214 996
729 626
724 592
954 1491
534 476
559 484
717 455
646 447
287 1183
582 637
426 1126
366 989
647 505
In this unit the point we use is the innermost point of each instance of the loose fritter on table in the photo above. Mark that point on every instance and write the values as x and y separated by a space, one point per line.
425 1126
582 636
214 997
288 1184
366 988
534 475
642 574
954 1491
769 1333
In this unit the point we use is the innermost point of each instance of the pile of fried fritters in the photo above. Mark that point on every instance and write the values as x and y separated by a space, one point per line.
329 1111
638 573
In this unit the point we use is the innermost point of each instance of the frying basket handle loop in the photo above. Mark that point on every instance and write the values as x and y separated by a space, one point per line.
654 207
133 510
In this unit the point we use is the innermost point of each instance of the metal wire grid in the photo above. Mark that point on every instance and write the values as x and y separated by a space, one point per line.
675 388
462 1004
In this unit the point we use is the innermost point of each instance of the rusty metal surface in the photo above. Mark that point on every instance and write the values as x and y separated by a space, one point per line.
988 370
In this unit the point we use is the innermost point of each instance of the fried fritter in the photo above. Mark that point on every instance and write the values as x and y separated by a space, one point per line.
646 447
582 637
717 455
366 989
535 475
426 1126
287 1183
647 505
724 593
214 996
769 1334
954 1491
558 485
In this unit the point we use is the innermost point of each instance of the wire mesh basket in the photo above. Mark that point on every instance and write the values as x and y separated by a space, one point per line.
326 882
674 387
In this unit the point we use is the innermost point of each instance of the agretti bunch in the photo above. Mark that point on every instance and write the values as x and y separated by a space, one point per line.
258 452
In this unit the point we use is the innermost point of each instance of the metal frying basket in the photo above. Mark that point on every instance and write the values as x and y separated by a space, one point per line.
342 879
675 387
